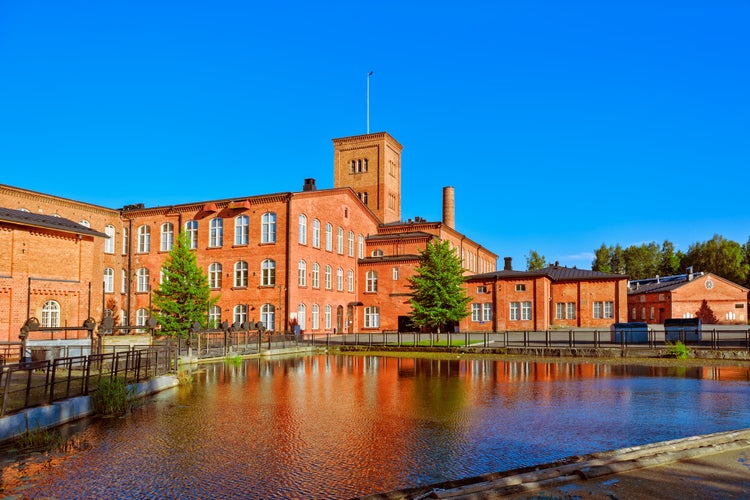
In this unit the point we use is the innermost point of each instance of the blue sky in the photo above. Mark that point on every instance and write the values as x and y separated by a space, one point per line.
561 125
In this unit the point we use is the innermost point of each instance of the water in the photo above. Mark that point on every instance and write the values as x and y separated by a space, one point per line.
340 426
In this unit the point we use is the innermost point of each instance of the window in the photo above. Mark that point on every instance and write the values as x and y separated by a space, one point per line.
350 244
268 228
50 314
215 232
316 233
597 310
167 236
482 289
315 317
340 241
214 316
142 280
240 274
476 312
124 286
363 196
350 281
340 279
361 246
643 313
372 317
327 277
301 312
329 237
268 273
109 280
268 316
302 273
327 317
609 307
651 313
571 310
144 239
377 253
515 311
395 274
124 241
214 275
302 229
486 312
372 281
239 313
191 228
84 223
603 310
526 310
141 318
241 229
316 275
521 287
560 310
633 314
109 242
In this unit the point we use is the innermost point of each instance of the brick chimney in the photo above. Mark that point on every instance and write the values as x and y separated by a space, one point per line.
508 264
449 207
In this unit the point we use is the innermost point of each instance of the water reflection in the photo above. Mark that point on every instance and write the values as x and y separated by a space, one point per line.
336 426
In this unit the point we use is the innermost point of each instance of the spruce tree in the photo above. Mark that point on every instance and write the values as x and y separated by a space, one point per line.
183 296
438 287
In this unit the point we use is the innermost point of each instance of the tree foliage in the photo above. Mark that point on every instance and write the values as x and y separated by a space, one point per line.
439 296
183 296
535 261
720 256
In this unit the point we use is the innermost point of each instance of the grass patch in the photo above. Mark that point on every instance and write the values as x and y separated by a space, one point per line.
233 360
39 440
678 350
112 398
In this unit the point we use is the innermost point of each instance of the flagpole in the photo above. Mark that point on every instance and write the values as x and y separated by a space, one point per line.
368 101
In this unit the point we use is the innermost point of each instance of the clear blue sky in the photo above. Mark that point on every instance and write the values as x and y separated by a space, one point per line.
561 125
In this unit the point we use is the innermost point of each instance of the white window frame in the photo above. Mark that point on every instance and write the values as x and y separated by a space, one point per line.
327 277
315 317
51 314
268 273
144 239
268 316
109 280
240 274
268 228
241 230
316 233
167 237
371 282
526 310
301 273
302 229
216 232
109 241
329 237
372 317
214 275
191 228
315 278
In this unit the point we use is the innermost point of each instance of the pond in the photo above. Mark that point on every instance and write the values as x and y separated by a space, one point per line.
328 426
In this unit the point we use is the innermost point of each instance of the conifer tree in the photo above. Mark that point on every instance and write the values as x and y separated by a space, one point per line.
439 295
183 296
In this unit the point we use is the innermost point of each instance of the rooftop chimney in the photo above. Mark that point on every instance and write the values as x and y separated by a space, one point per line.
508 264
309 185
449 207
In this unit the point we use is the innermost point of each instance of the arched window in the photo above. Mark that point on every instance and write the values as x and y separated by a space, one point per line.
239 313
51 314
302 229
316 233
144 239
327 317
142 280
302 273
372 317
350 244
340 279
268 273
124 241
315 275
327 277
216 232
301 312
109 241
109 280
167 236
268 228
191 228
329 237
84 223
214 316
350 281
240 274
125 284
372 281
360 247
315 317
340 240
141 318
268 316
214 275
241 230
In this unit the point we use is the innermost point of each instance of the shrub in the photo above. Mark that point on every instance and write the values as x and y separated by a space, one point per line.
678 350
112 398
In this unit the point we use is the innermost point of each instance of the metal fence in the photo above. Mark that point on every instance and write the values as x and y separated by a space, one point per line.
27 384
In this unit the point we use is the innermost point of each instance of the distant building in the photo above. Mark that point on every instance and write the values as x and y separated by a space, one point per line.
553 297
655 299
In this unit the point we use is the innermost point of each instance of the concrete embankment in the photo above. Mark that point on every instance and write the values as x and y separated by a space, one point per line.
68 410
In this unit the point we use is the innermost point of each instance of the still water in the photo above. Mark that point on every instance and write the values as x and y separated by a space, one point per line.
328 426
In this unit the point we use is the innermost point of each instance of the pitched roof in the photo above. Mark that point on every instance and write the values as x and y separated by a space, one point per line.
668 283
24 218
554 273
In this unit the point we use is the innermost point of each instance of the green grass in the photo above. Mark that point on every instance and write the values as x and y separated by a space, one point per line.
38 440
112 397
678 350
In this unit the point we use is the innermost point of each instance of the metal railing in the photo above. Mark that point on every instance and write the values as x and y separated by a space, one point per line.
28 384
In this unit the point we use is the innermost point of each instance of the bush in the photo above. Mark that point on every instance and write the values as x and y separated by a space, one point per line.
112 398
678 350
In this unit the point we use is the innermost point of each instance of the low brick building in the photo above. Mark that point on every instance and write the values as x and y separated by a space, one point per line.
656 299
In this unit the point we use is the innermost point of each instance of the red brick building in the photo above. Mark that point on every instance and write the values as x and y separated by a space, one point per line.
655 299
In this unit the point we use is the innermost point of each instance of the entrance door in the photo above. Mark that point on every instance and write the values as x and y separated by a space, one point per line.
340 319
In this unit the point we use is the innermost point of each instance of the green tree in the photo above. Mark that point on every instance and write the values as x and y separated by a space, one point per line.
183 296
670 262
439 295
720 256
609 259
642 261
535 261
